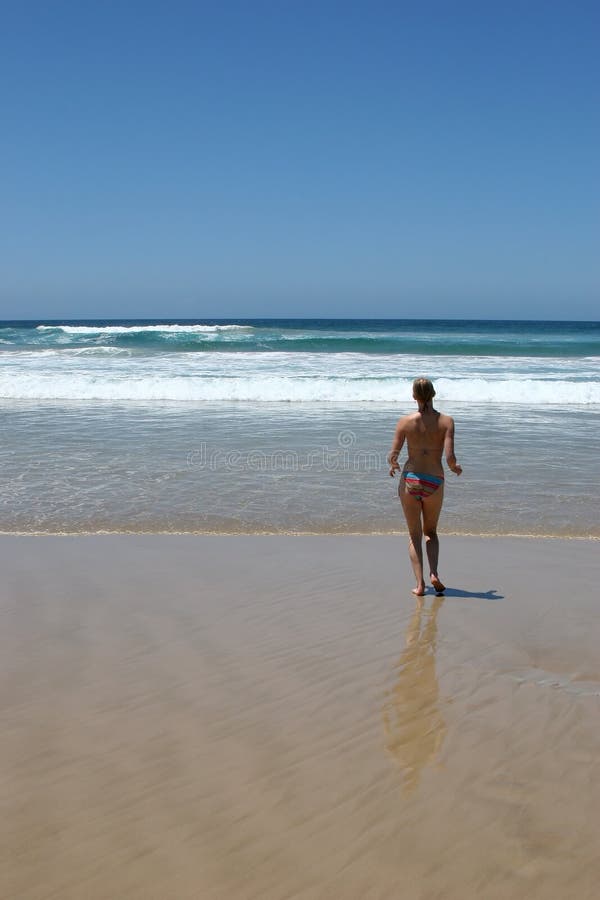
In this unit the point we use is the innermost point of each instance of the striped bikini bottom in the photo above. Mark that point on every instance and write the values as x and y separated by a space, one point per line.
420 486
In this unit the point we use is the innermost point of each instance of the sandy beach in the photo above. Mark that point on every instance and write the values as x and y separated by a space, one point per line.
226 718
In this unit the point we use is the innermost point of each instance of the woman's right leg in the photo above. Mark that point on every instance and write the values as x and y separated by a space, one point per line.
432 507
412 513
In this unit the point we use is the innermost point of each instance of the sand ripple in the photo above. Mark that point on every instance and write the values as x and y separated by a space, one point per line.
217 718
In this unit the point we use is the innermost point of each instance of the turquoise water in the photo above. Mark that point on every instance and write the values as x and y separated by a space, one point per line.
263 425
376 336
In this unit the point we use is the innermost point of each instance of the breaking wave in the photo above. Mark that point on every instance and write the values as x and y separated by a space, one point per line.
141 329
279 388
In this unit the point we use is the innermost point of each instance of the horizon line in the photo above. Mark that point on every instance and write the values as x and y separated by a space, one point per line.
200 319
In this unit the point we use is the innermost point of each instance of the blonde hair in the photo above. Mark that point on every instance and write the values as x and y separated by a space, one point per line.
423 391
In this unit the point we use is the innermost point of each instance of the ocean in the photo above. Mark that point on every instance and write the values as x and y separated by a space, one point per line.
265 425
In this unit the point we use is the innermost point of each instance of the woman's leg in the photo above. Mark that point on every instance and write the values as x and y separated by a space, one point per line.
432 507
412 513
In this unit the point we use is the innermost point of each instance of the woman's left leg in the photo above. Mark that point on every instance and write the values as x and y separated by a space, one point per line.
412 513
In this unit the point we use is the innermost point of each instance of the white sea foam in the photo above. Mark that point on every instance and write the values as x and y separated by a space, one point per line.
96 350
139 329
275 388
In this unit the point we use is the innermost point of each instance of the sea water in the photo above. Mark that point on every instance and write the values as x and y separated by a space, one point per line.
284 425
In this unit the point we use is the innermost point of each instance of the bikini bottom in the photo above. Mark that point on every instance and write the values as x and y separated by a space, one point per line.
420 485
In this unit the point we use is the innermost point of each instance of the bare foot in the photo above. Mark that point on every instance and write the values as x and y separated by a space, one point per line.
419 590
438 587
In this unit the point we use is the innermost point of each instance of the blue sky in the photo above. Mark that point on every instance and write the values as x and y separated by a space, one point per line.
300 158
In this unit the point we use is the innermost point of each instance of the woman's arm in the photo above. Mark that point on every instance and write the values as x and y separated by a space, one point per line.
449 448
397 444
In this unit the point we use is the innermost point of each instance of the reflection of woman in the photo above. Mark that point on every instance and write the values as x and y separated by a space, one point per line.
427 433
413 723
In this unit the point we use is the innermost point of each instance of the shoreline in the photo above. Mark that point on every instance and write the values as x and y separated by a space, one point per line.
488 535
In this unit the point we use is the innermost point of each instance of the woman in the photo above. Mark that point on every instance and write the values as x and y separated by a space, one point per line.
421 490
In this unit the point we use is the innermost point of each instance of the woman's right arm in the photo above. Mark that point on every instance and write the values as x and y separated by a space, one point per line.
449 448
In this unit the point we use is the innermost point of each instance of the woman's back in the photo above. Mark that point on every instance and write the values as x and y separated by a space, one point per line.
425 437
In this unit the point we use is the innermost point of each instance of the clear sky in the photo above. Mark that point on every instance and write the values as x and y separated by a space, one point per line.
300 158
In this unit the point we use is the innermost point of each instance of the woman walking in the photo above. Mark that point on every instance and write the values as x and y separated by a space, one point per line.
427 433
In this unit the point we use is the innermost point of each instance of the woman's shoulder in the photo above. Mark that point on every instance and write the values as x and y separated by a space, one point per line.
409 419
445 421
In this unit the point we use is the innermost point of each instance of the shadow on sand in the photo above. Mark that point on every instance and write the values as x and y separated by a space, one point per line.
474 595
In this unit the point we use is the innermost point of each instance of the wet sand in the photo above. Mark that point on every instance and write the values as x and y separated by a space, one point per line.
222 718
